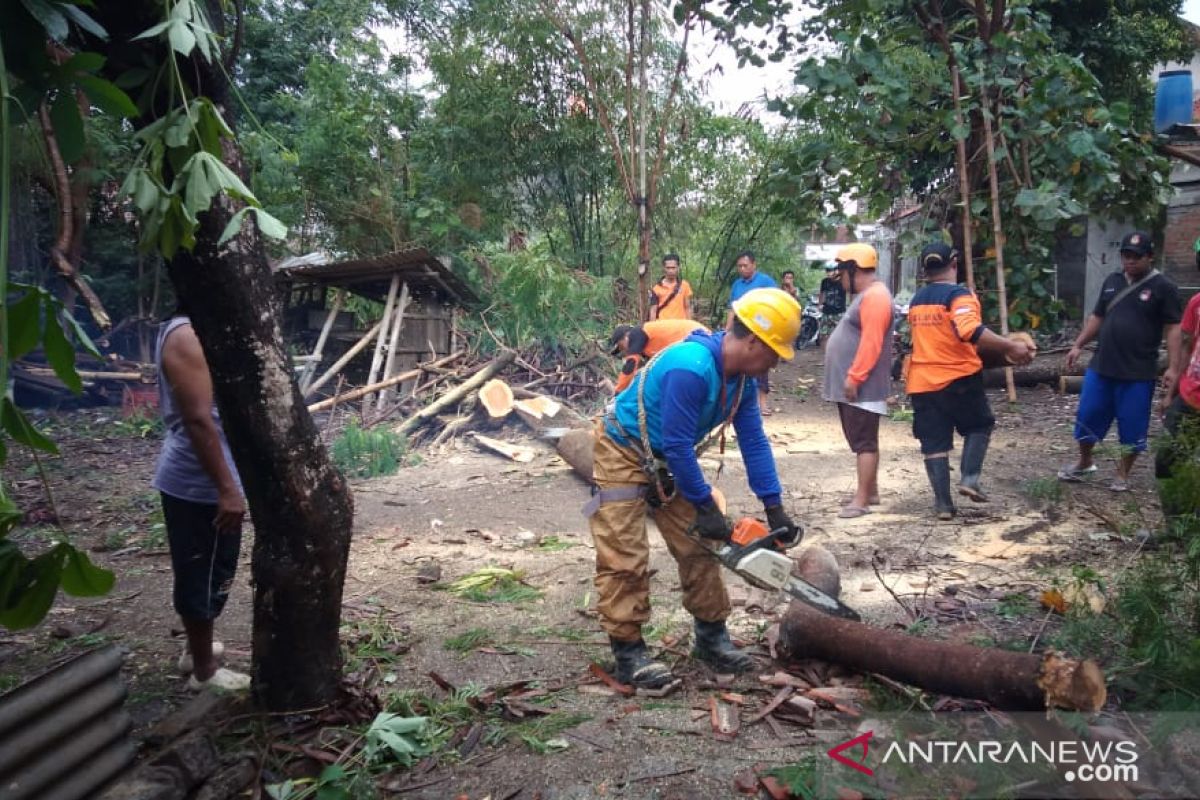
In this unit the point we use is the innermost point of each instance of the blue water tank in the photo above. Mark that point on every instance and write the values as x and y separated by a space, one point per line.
1173 99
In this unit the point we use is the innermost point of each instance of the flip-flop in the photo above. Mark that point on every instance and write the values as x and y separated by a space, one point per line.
184 664
1119 485
1075 474
853 512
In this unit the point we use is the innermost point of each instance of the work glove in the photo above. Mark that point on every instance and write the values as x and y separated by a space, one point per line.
777 519
712 524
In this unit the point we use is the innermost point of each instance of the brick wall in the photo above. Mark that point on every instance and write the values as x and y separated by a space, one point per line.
1178 260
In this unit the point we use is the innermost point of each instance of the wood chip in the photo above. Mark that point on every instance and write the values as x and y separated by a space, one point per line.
610 681
724 718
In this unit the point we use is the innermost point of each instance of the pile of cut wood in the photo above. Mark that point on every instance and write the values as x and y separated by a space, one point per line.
458 393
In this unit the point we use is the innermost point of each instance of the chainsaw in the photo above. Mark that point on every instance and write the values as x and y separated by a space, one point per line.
757 555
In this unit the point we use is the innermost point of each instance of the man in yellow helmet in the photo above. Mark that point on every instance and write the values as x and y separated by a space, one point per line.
645 457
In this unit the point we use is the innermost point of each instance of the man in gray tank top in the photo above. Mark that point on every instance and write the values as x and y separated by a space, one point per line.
201 499
858 358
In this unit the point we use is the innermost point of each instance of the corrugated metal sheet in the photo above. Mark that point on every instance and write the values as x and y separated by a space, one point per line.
64 733
416 266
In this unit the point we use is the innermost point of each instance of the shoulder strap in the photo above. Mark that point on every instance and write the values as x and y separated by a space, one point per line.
671 296
1128 290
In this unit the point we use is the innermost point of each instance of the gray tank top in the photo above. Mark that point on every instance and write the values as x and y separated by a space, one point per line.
839 355
179 473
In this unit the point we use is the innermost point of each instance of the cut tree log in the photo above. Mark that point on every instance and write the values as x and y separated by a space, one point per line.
1070 384
457 393
1045 369
1009 681
577 447
497 399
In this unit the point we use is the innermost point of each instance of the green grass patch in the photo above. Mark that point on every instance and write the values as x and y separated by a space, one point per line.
368 453
1048 490
468 640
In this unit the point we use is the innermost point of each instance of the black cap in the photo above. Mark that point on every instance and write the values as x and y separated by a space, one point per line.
937 257
1138 242
614 341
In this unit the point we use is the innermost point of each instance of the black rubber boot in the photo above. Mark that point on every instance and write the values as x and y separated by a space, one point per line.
975 447
636 668
938 470
714 648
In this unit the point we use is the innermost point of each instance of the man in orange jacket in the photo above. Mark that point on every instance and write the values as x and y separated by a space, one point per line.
640 343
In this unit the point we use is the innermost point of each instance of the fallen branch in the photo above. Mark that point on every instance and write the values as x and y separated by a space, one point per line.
454 395
329 402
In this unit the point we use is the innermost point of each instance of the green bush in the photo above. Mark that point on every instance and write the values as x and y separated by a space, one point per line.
368 453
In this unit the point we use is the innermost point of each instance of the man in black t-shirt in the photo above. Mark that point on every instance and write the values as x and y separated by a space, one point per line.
1136 309
832 294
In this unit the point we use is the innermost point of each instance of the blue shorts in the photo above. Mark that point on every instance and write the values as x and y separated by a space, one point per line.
1104 399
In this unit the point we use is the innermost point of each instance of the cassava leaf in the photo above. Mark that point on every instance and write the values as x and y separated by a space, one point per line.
107 97
21 429
25 323
33 592
60 354
82 578
68 126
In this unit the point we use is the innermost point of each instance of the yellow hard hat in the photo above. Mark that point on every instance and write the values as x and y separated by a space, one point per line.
772 315
861 254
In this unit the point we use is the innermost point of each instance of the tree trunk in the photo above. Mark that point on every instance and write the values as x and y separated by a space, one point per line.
300 505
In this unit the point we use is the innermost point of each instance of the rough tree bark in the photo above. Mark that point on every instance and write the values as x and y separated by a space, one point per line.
300 504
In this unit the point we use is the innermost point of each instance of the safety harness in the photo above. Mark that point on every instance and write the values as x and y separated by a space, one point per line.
661 483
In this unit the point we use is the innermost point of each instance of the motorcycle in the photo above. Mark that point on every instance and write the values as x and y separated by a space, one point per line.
810 323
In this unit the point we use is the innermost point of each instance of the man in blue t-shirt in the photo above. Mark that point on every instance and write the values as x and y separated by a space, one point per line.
750 278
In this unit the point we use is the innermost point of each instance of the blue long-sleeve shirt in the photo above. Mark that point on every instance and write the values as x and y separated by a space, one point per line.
683 393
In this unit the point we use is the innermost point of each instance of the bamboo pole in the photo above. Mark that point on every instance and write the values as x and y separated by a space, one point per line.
377 359
393 341
998 229
311 367
354 394
964 180
345 359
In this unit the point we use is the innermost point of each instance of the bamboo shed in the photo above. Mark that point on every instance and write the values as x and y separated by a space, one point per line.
421 300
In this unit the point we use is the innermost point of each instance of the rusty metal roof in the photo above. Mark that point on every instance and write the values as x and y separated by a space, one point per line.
370 277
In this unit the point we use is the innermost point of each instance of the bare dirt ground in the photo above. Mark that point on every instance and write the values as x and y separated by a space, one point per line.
462 509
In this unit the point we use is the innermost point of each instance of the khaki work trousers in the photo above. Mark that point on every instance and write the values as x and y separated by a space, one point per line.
623 549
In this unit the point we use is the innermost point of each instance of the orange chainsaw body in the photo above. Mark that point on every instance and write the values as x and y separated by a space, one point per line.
748 530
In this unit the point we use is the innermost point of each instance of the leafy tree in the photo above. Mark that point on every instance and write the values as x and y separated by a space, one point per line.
879 89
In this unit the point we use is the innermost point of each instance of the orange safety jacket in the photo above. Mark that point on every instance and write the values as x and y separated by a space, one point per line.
649 339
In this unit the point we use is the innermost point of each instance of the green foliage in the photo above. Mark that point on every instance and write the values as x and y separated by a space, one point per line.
536 300
877 91
494 585
400 738
554 544
800 778
368 453
540 734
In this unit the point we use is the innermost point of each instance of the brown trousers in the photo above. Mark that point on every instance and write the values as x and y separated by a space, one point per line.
623 549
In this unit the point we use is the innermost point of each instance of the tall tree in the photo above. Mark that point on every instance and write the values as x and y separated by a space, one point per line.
636 102
199 213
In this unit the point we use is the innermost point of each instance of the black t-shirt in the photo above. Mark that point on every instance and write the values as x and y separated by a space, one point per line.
1132 329
833 296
